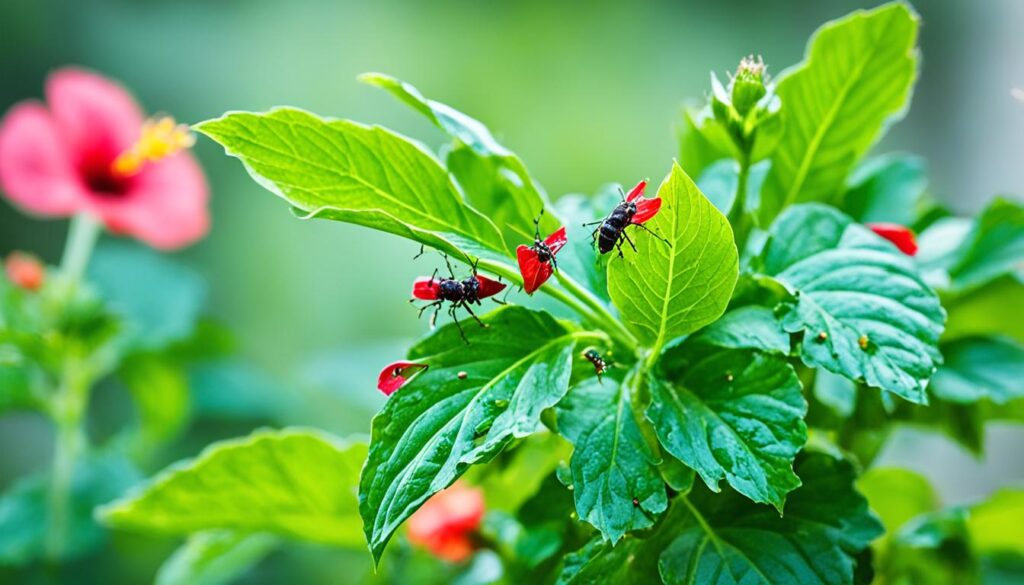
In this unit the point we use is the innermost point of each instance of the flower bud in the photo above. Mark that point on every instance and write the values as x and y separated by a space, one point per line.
748 84
25 271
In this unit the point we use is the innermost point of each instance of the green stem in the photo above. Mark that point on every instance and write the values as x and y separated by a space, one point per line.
608 320
67 410
738 216
82 236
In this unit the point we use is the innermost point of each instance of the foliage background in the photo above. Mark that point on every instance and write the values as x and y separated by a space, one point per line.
585 94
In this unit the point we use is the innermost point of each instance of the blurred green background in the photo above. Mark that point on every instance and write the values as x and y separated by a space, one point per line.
586 93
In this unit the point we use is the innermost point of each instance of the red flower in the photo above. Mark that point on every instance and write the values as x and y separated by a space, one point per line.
645 208
88 150
25 271
445 523
902 237
537 262
395 375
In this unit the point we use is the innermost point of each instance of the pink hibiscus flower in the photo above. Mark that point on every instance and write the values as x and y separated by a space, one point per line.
89 150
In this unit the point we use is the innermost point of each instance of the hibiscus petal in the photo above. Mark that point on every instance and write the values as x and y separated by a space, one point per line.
530 267
36 170
396 374
97 117
165 205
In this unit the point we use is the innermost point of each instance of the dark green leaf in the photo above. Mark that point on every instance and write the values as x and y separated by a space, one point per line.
994 247
855 80
615 478
730 540
439 424
733 415
214 557
863 309
666 290
293 482
359 174
886 188
747 327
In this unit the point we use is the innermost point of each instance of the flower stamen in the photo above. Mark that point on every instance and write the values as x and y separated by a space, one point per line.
159 138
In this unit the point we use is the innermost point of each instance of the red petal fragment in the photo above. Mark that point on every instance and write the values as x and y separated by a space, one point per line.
901 236
646 209
636 192
25 271
395 375
426 288
488 287
533 270
557 240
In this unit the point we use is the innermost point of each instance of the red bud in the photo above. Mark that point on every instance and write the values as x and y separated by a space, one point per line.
25 271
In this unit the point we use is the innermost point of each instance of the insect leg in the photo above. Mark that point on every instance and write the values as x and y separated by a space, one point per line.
451 311
423 250
652 232
425 307
631 244
451 272
472 314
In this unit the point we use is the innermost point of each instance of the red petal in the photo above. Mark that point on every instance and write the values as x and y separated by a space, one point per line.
25 271
426 288
901 236
636 192
488 287
534 272
646 209
557 240
444 523
395 375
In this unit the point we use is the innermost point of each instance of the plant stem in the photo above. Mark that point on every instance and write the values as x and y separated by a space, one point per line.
67 410
82 236
599 309
738 216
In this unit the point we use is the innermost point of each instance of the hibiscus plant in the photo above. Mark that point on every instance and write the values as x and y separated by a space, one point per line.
704 403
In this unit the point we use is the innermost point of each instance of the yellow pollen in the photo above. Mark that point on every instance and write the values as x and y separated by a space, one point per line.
159 138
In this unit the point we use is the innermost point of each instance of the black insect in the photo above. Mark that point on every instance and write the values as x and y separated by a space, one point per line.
460 293
600 365
634 210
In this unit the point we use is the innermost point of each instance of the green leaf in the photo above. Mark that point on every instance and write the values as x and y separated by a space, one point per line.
897 495
612 464
995 524
748 327
855 80
158 299
577 258
720 181
439 424
727 539
982 311
293 482
881 322
494 180
24 509
160 389
359 174
886 188
977 368
517 473
994 247
214 557
664 290
733 415
702 141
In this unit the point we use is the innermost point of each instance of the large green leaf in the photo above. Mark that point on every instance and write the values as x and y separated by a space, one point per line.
214 557
494 180
994 247
666 290
863 309
359 174
978 368
615 477
886 188
855 79
897 495
733 415
728 540
995 524
294 482
440 423
982 311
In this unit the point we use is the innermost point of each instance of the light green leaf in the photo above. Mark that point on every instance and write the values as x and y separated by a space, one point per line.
733 415
158 299
494 180
720 181
294 482
160 389
439 424
886 188
897 495
978 368
612 464
728 540
855 80
702 141
359 174
863 309
995 524
982 311
214 557
664 290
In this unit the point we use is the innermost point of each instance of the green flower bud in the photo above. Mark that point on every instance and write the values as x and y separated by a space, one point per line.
748 84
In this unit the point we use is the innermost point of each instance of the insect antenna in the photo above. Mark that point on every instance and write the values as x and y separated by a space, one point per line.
622 194
536 225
